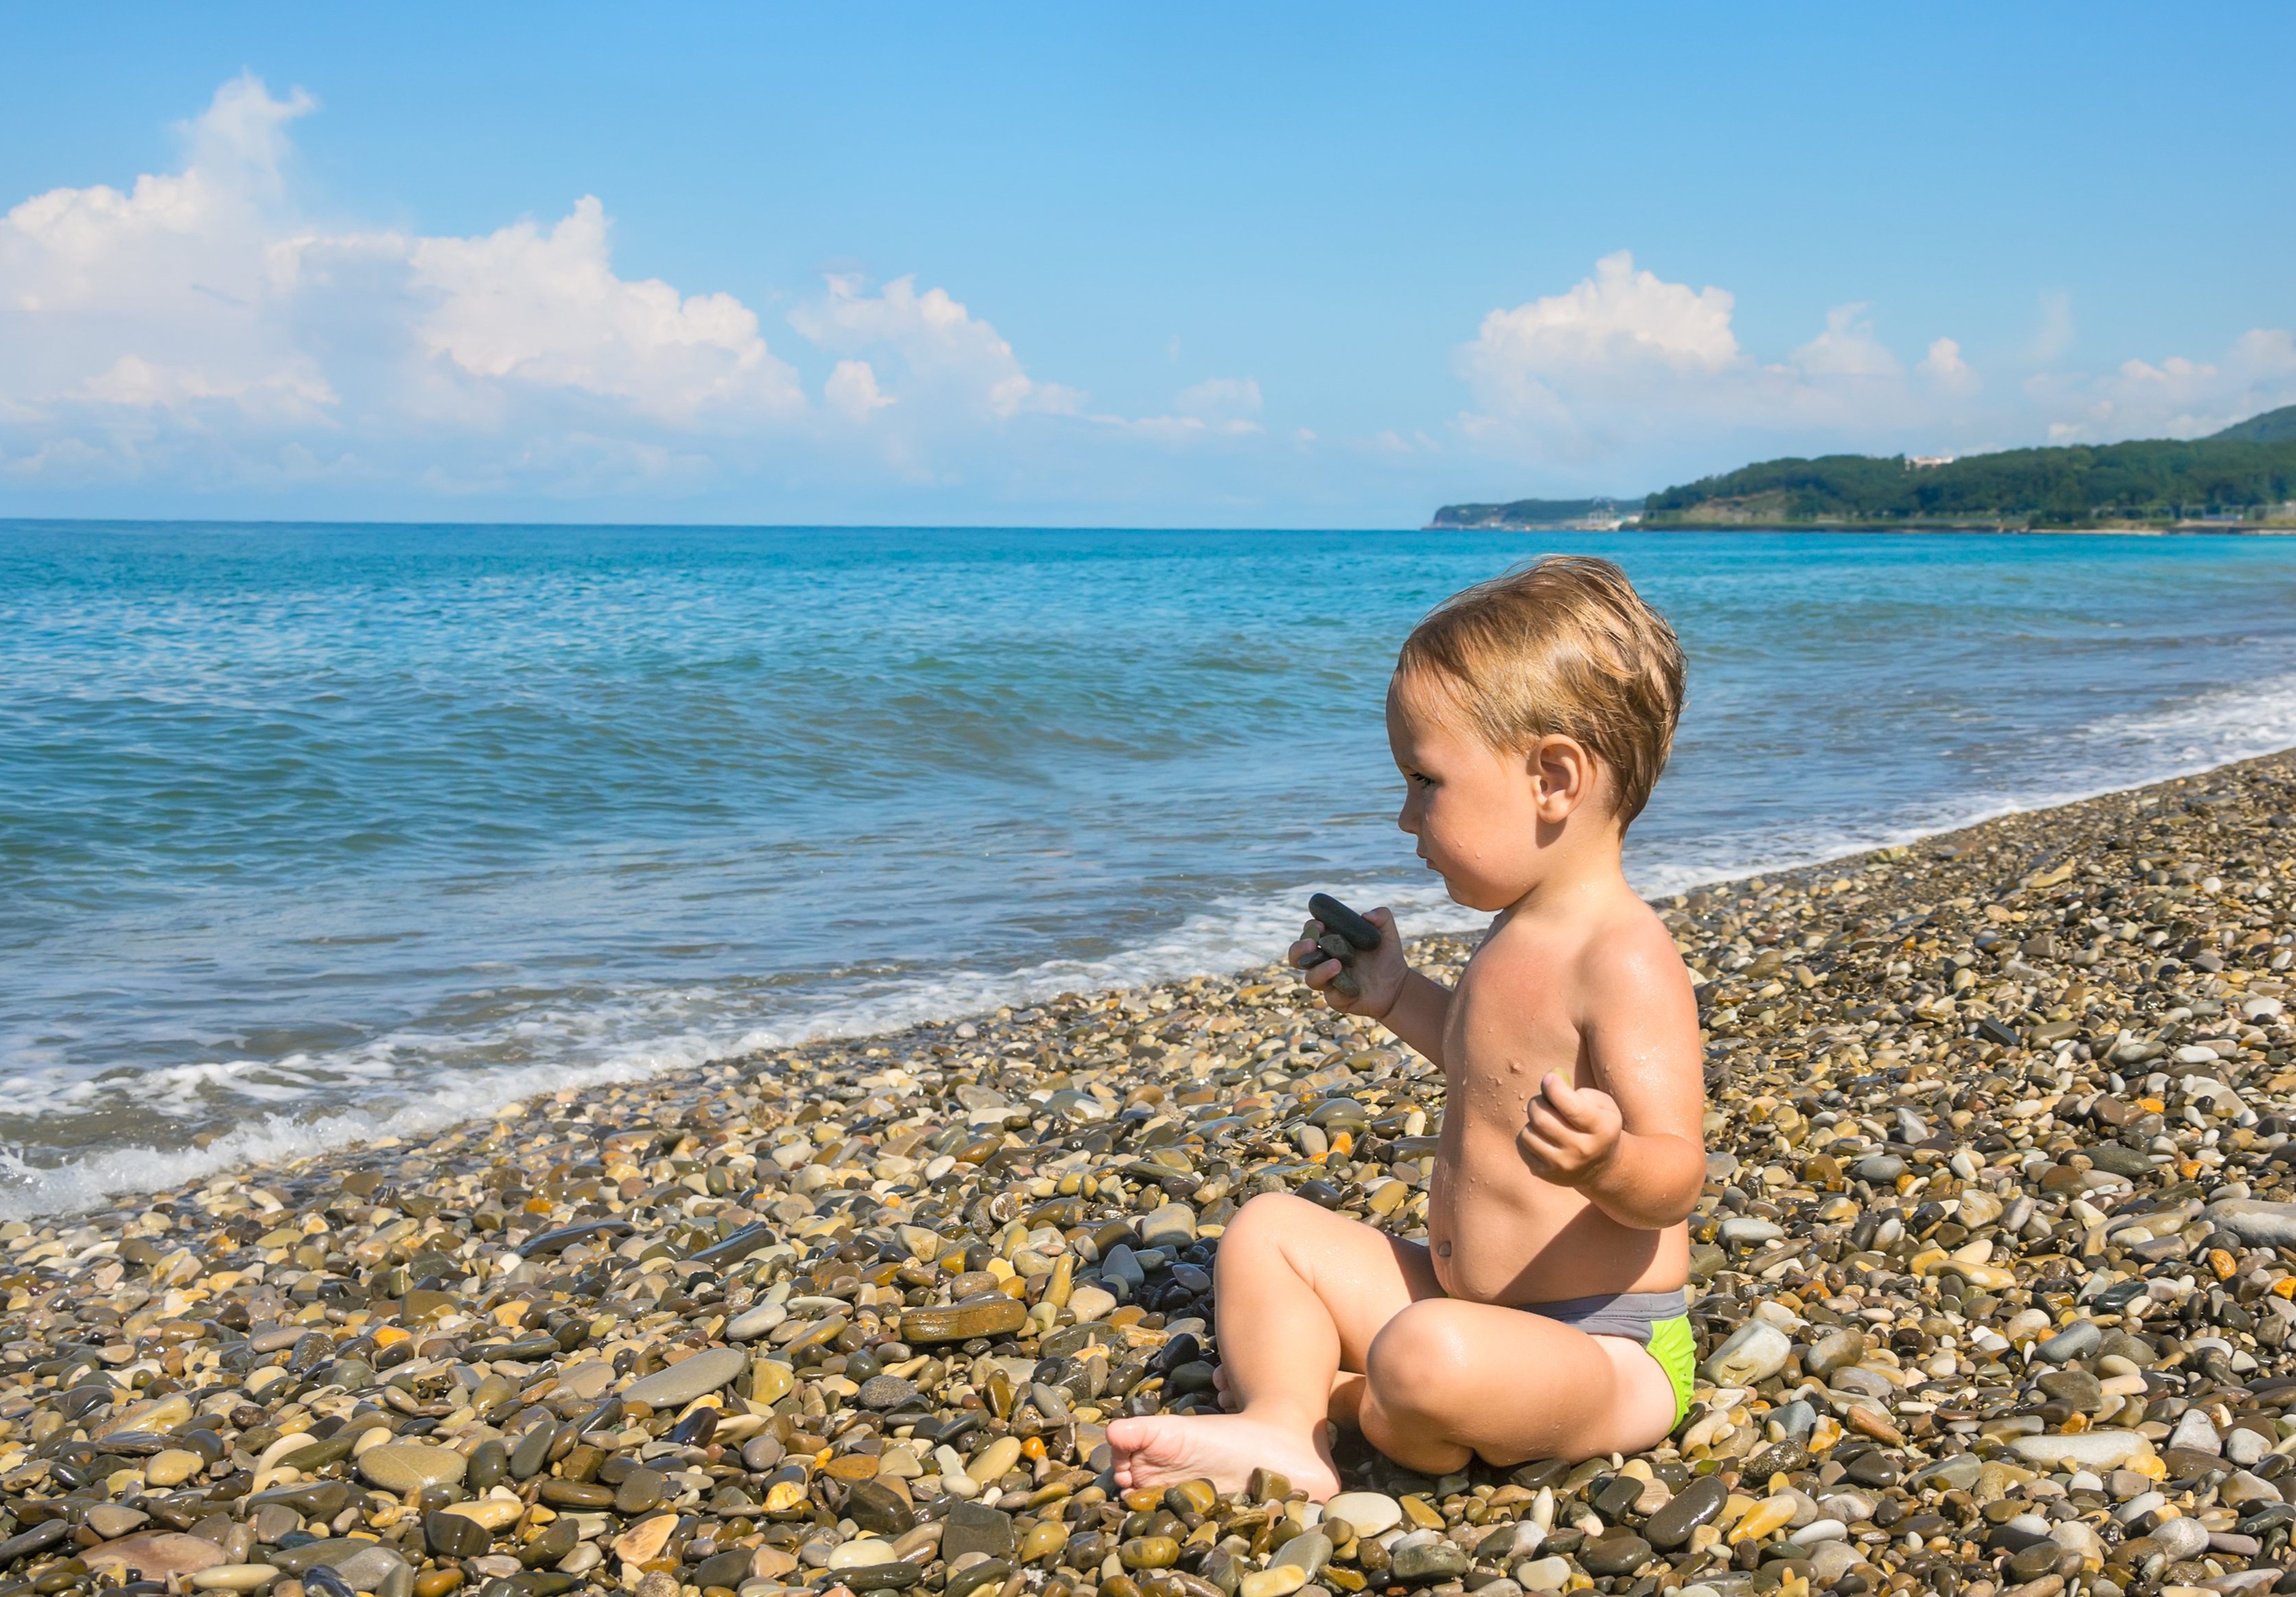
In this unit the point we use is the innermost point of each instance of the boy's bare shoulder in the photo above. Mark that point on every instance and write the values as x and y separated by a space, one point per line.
1633 958
1624 952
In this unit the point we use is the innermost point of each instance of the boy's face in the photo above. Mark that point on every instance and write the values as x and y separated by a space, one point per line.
1487 821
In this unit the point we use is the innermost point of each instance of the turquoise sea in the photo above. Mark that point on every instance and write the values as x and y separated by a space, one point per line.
312 834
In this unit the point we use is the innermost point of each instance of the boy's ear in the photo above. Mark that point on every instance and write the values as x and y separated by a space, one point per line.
1564 774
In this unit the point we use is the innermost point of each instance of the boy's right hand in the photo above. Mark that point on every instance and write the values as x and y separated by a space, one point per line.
1378 973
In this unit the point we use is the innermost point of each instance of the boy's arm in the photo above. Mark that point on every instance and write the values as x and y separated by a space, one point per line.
1422 1005
1638 1150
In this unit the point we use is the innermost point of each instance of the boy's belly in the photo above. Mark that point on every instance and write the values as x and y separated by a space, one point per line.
1522 1241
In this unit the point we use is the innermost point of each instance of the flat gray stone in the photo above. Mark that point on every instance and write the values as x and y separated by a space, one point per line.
682 1383
753 1323
2256 1222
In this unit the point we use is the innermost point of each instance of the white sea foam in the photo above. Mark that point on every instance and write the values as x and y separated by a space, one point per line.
600 1045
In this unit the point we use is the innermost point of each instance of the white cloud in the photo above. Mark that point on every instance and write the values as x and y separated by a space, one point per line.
1620 329
1626 373
2175 397
942 349
1944 366
1626 362
1220 399
852 391
198 330
546 309
1846 349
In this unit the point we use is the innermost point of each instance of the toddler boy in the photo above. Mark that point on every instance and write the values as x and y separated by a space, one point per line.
1545 1316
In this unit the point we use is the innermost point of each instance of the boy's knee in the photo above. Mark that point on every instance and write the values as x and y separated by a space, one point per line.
1418 1363
1269 1217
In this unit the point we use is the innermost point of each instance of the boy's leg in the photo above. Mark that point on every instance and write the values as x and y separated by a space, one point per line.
1448 1380
1301 1294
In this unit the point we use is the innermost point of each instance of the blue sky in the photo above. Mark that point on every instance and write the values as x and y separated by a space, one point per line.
1185 264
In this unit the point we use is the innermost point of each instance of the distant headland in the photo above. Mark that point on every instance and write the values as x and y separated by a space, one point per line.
2242 479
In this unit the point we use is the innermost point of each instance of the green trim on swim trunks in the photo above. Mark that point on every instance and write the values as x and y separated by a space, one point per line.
1675 1349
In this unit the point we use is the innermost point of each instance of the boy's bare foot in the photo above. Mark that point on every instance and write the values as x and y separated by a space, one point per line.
1166 1449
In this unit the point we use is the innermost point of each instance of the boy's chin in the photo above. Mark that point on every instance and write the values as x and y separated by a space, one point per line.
1476 896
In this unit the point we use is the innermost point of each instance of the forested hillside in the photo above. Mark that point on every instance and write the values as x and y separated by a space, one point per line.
2151 481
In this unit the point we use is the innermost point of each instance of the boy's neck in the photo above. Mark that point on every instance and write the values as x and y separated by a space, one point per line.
1576 869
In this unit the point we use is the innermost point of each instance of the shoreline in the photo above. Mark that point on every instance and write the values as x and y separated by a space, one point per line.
908 1278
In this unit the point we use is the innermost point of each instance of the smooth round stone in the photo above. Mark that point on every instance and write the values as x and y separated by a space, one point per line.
587 1382
171 1467
1306 1553
455 1535
995 1461
1617 1554
1044 1538
578 1493
495 1513
772 1380
640 1490
2182 1538
1280 1581
1090 1302
1746 1230
862 1551
682 1383
402 1467
751 1324
2084 1450
489 1463
1549 1573
233 1577
1691 1507
1879 1168
726 1571
1173 1225
1835 1350
1414 1562
1371 1513
1150 1553
1754 1352
997 1316
112 1521
532 1452
2077 1340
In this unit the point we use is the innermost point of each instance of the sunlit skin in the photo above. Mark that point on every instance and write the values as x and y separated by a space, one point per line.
1568 1161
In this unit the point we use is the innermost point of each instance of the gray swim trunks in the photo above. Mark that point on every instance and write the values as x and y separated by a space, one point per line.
1632 1315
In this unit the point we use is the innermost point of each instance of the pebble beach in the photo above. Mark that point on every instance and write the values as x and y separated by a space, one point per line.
1994 1278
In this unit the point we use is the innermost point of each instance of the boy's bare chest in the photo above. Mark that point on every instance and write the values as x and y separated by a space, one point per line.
1500 1045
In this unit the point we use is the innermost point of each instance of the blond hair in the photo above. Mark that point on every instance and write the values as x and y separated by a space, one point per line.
1564 645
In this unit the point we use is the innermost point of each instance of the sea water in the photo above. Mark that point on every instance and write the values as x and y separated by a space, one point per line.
310 834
